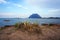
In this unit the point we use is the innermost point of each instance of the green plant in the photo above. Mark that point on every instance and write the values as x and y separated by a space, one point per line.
1 28
16 25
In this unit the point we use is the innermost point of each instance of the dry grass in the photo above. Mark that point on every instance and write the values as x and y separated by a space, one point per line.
32 28
21 32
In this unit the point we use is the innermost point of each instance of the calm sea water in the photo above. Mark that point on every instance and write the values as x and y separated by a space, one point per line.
39 21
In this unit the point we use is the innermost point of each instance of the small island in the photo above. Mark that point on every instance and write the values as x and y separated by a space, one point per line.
6 20
35 16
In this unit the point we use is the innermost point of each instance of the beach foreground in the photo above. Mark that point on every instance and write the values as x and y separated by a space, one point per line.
46 32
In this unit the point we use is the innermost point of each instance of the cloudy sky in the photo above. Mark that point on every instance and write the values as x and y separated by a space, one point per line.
24 8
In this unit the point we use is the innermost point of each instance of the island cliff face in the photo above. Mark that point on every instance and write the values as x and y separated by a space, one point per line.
34 16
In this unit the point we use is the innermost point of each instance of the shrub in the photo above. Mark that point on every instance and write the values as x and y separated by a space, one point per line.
51 24
1 28
45 24
26 26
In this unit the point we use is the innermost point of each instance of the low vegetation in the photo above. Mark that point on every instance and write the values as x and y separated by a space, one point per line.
30 31
0 29
26 26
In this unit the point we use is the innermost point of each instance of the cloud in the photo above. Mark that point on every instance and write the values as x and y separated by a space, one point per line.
20 6
41 1
44 3
54 10
3 1
12 3
9 15
13 15
53 13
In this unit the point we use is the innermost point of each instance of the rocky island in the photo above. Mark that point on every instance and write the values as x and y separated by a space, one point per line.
35 16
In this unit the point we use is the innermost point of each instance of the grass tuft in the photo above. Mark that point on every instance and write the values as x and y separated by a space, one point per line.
26 26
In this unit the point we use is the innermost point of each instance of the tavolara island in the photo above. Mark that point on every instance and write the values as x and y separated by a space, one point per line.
35 16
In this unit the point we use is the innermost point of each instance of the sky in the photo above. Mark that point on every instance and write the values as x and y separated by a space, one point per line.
25 8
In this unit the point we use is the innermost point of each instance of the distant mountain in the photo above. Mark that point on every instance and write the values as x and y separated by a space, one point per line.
34 16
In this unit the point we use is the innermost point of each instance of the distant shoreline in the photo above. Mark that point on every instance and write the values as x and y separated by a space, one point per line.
50 18
36 18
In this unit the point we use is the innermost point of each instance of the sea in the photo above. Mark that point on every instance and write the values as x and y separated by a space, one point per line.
12 21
